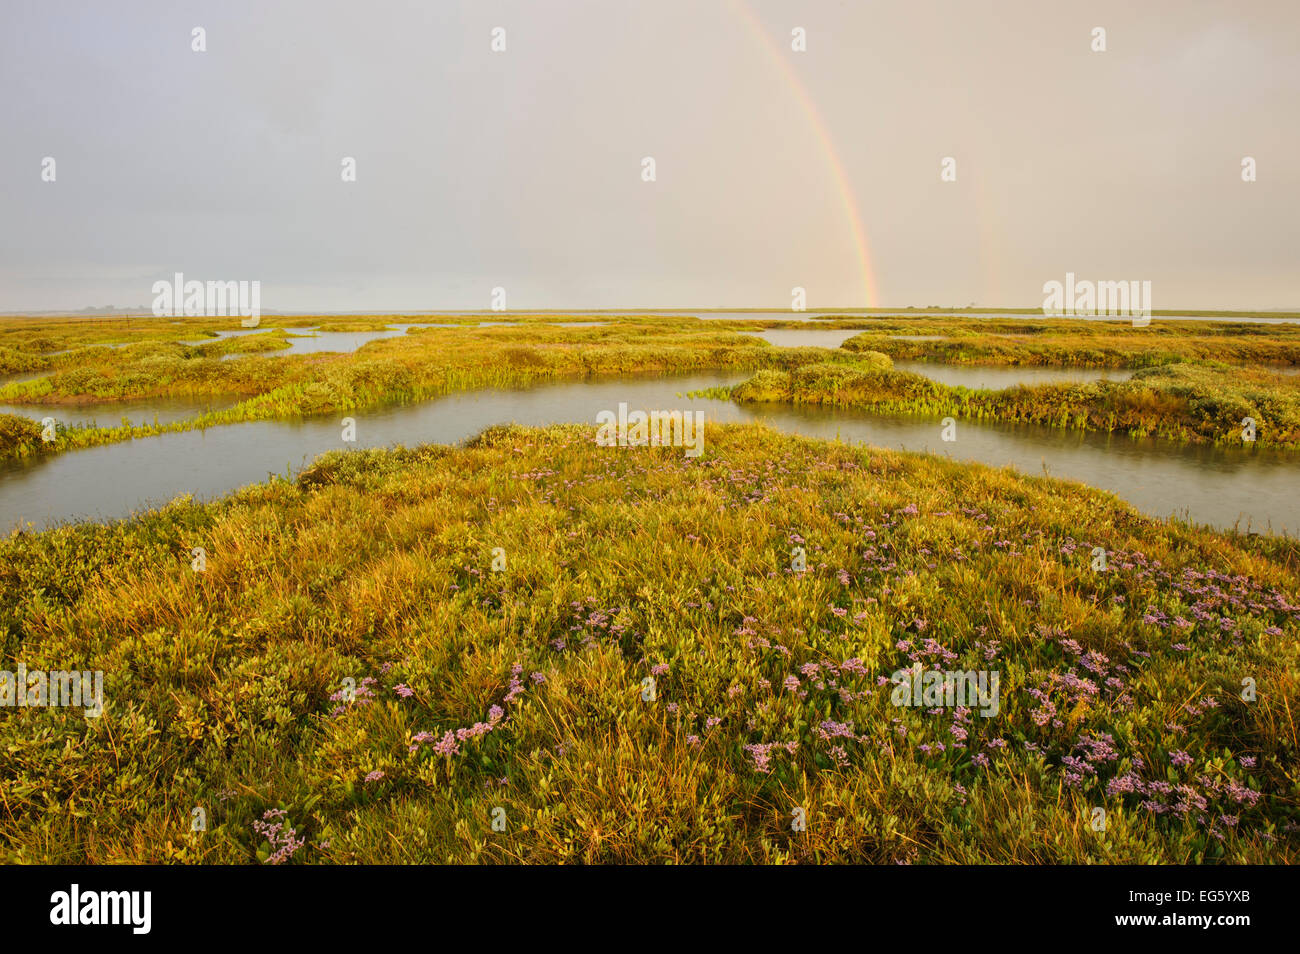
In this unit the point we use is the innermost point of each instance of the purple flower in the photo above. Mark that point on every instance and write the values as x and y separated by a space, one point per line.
447 746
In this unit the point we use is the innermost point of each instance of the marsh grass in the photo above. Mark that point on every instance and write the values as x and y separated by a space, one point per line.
19 436
1182 402
1062 342
1200 380
419 365
223 688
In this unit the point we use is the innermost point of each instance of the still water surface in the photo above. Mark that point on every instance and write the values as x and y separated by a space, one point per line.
1254 488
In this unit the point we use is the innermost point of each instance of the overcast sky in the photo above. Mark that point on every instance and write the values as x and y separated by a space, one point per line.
523 169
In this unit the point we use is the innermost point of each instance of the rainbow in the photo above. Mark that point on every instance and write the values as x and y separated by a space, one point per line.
782 61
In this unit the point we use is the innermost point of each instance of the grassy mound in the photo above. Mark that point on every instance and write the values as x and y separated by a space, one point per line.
1073 342
1184 402
19 436
386 655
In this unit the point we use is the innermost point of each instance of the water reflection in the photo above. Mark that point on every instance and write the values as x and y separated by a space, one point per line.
1219 486
110 414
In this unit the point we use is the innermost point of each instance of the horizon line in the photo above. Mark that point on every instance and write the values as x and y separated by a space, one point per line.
112 310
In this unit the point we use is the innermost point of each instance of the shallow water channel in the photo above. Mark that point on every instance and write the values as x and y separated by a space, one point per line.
1219 486
991 377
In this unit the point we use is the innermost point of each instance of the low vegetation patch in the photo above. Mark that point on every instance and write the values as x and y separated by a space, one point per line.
1182 402
535 649
1200 379
1073 342
19 436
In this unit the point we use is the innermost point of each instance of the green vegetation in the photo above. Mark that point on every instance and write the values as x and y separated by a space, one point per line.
1198 380
419 365
1184 402
1062 342
526 689
19 436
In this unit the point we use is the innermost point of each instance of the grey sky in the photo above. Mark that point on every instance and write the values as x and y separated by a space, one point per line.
522 169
